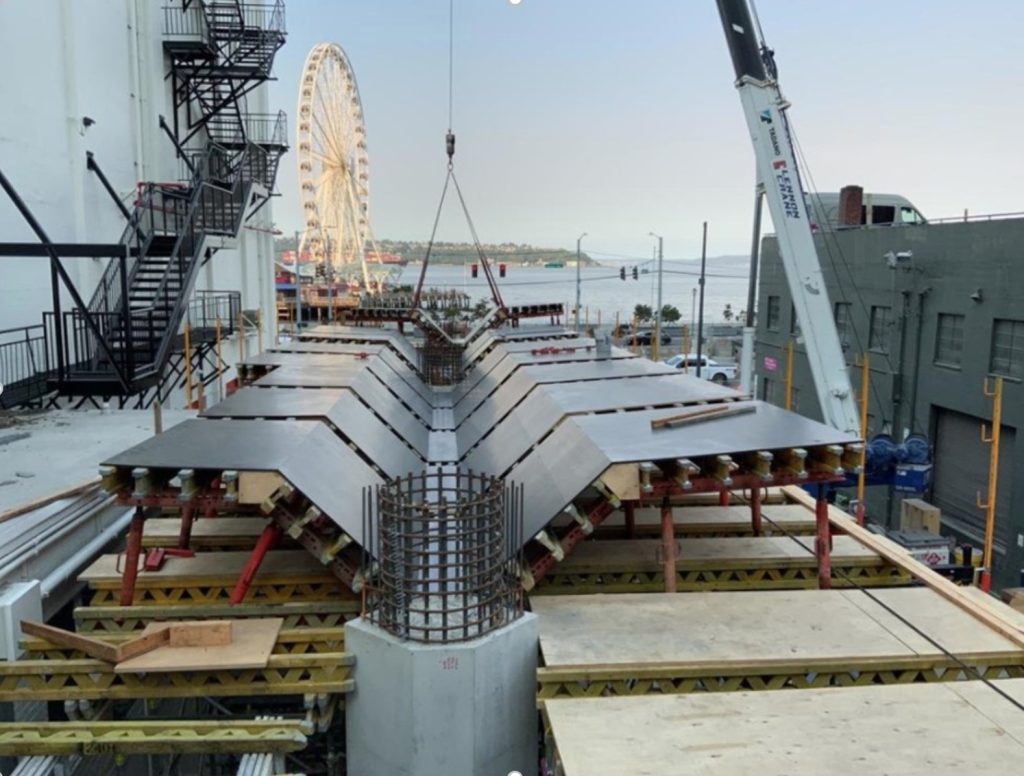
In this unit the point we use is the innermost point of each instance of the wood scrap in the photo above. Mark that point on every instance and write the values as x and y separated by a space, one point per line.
252 643
701 415
198 633
202 633
95 648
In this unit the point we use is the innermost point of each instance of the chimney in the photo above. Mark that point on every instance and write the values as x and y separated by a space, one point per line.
851 201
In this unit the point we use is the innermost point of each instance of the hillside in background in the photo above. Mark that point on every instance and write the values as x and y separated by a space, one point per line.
458 253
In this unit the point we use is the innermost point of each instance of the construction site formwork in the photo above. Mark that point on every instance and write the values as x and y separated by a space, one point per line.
662 555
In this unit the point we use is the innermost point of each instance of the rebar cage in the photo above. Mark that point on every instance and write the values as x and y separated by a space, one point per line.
442 555
441 362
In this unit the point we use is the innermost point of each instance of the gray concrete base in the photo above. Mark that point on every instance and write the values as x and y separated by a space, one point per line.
438 710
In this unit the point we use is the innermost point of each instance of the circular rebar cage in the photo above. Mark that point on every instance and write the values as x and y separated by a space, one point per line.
443 555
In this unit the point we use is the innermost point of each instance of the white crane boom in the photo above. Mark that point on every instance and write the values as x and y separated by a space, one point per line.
777 169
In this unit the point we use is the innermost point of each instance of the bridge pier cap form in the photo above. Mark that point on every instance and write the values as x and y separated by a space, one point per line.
446 658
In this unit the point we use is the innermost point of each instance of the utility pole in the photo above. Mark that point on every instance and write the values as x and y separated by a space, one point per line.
700 313
578 255
298 284
656 341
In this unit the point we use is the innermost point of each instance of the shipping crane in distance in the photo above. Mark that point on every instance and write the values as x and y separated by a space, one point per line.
779 178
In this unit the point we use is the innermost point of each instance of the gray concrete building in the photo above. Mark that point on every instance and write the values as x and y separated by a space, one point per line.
938 308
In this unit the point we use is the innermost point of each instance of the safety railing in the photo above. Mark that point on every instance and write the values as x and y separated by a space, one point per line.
23 365
185 21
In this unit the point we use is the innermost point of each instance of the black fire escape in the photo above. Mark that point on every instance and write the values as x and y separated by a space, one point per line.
126 340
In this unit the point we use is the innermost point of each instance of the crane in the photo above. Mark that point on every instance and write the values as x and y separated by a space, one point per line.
779 177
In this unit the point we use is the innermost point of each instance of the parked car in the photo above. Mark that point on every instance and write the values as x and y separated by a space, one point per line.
709 369
646 337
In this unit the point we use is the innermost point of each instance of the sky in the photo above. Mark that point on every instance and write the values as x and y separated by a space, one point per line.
621 118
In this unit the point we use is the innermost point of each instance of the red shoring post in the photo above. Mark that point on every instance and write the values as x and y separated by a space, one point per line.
668 540
723 498
755 510
630 511
188 513
268 540
131 560
823 541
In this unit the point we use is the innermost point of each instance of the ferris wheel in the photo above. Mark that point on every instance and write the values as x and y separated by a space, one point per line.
333 164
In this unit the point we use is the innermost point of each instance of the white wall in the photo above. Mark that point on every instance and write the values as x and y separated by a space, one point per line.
65 59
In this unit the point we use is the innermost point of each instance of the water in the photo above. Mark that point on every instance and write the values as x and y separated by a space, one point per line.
601 289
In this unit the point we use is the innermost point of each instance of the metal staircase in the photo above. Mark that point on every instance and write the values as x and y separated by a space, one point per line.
120 343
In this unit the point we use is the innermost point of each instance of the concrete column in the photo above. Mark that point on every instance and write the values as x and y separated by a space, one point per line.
442 709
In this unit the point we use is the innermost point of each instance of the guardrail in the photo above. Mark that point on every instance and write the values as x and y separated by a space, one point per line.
24 367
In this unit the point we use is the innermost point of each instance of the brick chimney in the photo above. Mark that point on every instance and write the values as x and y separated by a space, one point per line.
851 201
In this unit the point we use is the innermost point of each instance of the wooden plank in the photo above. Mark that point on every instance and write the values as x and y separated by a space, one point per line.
701 415
958 728
623 479
900 557
218 566
202 633
639 629
146 642
252 644
101 650
43 501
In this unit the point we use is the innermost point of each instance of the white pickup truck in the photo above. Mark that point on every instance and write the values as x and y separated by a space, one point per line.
709 369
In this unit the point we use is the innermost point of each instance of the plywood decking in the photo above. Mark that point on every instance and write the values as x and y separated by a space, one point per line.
933 729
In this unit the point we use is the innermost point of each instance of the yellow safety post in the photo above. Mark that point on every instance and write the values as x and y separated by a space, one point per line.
989 505
633 329
220 362
789 376
188 365
865 378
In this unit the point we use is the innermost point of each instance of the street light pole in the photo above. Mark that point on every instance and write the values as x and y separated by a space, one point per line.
656 346
578 241
298 284
700 313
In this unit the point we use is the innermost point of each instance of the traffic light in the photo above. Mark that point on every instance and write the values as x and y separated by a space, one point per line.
622 273
636 274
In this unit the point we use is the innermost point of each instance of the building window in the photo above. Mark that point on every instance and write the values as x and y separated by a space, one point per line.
949 340
1008 348
842 314
878 340
774 313
794 324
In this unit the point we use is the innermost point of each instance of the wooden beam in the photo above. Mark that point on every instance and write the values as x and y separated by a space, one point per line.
43 501
896 555
101 650
699 416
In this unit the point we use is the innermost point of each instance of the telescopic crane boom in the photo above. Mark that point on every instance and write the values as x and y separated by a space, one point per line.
764 107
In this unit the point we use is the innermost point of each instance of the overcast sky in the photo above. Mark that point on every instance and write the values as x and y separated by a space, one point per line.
620 118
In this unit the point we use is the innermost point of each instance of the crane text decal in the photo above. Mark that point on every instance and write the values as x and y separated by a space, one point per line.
786 189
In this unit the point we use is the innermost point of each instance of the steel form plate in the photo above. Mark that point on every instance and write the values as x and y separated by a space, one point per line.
567 358
516 434
305 452
359 424
599 396
477 373
410 375
344 348
628 437
488 385
397 342
597 370
571 341
402 389
273 358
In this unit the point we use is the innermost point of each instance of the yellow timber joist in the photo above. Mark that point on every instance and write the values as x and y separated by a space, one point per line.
19 739
97 620
77 679
879 574
598 682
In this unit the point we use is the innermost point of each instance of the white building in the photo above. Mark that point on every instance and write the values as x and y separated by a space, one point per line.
92 76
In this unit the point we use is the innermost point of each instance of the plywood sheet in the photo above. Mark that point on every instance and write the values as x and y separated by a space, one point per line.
711 552
776 625
251 644
206 528
211 565
912 730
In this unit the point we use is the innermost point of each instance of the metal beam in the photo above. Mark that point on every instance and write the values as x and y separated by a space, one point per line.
66 250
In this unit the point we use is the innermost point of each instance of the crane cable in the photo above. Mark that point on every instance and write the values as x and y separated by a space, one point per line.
449 142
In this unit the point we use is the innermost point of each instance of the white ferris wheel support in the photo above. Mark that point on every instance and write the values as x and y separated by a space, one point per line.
333 163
